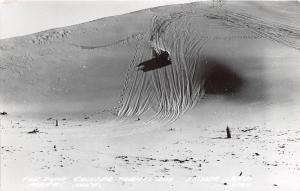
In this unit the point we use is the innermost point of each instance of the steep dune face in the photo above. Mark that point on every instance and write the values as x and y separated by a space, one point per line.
86 67
205 50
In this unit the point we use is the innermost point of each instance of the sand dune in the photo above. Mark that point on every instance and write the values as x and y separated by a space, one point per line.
39 69
237 66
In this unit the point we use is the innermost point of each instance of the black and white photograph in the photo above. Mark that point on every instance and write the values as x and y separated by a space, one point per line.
149 95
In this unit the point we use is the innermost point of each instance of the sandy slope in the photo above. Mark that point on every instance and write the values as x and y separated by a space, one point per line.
72 74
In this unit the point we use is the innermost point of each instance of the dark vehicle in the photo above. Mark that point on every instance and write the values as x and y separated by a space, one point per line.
3 113
159 61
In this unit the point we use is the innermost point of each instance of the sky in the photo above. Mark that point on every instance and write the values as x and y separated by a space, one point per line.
21 17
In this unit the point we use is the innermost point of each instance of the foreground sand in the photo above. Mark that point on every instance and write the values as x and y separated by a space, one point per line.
193 153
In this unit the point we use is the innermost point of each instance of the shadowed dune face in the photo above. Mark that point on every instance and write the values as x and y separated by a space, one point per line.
235 79
221 79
